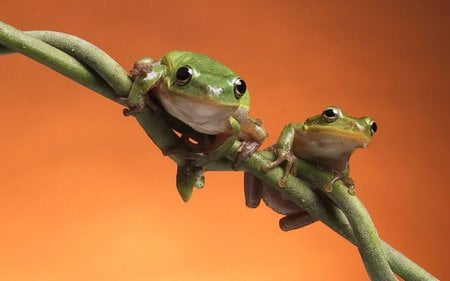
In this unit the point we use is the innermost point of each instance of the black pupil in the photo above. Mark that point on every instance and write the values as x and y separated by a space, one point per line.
329 113
374 127
184 73
241 87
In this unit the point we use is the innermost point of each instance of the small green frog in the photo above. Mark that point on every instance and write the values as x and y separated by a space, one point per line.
204 94
327 140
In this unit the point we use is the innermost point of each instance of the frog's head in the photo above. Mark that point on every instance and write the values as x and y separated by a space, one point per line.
204 80
334 134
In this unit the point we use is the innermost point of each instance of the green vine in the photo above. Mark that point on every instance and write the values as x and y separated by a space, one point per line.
86 64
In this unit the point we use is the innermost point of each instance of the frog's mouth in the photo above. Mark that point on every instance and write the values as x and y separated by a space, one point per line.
356 138
203 116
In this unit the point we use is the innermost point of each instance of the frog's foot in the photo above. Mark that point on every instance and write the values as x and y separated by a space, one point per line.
244 152
282 156
350 184
188 177
136 97
191 169
141 68
133 109
329 186
295 221
346 180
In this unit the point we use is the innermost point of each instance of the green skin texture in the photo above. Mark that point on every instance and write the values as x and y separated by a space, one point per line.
207 103
326 142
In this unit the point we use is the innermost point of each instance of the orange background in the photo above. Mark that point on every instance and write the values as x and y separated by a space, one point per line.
84 195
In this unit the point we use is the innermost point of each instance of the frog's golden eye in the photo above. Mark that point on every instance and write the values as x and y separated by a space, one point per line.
239 88
330 114
184 75
373 127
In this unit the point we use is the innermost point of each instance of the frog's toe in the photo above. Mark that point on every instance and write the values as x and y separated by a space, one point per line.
351 189
142 67
350 184
244 152
267 167
133 109
283 181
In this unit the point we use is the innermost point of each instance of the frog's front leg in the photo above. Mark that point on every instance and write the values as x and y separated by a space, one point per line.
283 152
145 74
290 168
252 134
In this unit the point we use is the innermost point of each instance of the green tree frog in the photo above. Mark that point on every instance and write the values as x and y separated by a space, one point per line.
327 140
204 94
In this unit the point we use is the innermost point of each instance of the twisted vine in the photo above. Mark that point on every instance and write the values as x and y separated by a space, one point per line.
86 64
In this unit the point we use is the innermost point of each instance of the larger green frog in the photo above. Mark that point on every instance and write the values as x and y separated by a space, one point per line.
327 140
204 94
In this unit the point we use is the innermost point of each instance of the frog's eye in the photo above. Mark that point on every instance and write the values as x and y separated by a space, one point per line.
330 114
239 88
373 128
184 75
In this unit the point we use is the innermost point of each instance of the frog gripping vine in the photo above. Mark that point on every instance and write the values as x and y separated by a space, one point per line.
203 100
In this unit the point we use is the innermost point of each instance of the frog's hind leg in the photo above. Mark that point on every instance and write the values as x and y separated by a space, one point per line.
295 221
252 190
188 177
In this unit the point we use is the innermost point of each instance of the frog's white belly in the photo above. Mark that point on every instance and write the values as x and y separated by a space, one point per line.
202 117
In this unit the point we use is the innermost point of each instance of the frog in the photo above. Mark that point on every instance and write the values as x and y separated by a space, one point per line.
326 140
205 95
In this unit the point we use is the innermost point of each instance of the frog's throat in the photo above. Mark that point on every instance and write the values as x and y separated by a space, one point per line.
203 117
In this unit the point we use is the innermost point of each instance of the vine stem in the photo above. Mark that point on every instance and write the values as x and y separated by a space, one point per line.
54 58
366 235
96 70
299 192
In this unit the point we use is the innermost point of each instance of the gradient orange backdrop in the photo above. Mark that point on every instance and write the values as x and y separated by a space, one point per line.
84 195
